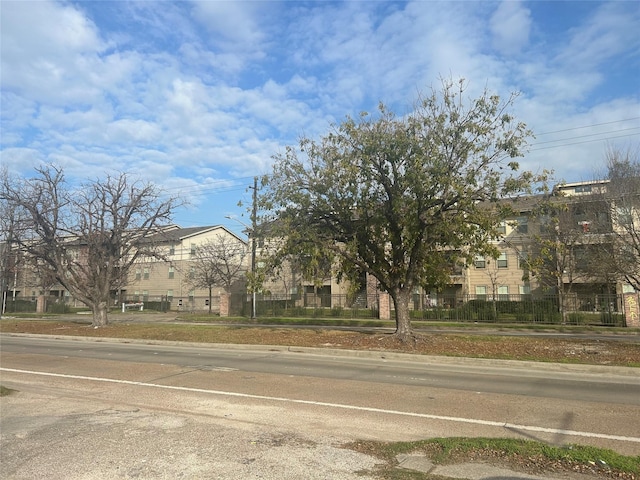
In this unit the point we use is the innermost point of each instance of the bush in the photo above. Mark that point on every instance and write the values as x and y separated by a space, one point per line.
19 305
576 318
482 310
58 308
612 319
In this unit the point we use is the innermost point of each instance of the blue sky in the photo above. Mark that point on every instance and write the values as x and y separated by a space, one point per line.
198 96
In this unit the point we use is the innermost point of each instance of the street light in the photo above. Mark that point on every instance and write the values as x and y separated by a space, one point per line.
251 233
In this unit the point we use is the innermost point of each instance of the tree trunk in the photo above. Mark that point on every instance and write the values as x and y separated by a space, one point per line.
210 299
100 314
401 300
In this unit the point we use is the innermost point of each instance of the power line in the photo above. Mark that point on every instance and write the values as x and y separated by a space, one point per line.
586 141
589 126
212 183
585 136
210 188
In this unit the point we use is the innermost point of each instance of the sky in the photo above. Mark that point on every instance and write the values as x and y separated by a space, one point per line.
198 96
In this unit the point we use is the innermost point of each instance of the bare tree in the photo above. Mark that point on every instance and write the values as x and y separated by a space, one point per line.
568 247
623 197
219 261
86 238
7 253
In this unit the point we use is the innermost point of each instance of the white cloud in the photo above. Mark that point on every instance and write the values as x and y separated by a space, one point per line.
510 25
610 30
234 26
44 50
190 94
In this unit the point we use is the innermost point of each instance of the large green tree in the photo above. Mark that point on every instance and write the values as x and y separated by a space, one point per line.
392 196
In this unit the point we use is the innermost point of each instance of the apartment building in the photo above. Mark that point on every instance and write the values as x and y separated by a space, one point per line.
575 219
169 277
165 277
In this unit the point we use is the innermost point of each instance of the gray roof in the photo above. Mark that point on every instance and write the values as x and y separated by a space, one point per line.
176 234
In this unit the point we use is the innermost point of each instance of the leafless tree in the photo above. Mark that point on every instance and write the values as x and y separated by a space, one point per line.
87 238
623 197
562 252
219 261
9 252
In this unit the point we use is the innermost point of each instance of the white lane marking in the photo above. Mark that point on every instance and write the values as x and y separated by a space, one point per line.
475 421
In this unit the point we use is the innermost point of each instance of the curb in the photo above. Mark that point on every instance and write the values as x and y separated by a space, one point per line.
467 362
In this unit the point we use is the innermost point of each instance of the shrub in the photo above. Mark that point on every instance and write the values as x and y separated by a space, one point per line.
576 318
58 308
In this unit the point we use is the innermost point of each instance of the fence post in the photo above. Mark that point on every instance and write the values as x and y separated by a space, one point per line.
224 304
385 306
41 304
631 309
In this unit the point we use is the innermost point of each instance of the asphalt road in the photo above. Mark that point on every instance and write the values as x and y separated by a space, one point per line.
296 395
587 383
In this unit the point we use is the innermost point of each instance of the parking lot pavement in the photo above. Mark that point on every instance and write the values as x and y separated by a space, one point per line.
62 437
44 436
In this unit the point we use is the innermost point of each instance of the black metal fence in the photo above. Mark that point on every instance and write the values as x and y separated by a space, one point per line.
505 309
597 309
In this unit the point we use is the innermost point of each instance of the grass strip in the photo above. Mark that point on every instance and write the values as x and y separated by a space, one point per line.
524 455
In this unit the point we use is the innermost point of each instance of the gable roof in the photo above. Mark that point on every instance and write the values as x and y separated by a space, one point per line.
178 234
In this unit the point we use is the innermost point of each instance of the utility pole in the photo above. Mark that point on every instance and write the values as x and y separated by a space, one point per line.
252 229
254 213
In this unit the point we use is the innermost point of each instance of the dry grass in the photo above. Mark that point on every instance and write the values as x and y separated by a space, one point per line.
478 345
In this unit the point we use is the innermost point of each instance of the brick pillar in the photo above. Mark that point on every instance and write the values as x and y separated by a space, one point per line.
224 304
372 291
41 304
385 306
632 309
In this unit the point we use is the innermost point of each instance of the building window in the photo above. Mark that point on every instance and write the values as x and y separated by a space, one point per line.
503 293
481 292
138 274
171 272
523 260
502 228
169 295
146 274
172 250
583 189
192 294
548 226
523 225
581 259
193 250
525 289
145 295
624 215
480 261
502 260
136 296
